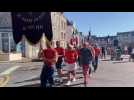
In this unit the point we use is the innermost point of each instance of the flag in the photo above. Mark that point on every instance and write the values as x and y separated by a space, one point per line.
32 25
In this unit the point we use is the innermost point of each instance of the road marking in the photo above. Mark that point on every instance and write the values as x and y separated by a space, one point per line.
4 80
5 76
10 70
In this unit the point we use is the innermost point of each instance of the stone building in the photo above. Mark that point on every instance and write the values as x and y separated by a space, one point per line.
59 26
126 38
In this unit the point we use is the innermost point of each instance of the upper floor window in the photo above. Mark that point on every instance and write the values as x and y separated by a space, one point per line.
62 35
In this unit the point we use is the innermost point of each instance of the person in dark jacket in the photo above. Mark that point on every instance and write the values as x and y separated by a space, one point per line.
103 52
85 60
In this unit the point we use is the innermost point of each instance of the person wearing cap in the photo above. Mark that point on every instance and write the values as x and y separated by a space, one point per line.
49 56
71 57
85 60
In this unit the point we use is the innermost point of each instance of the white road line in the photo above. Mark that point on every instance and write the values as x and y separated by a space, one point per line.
10 70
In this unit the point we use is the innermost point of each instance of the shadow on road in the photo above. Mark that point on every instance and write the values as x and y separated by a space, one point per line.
105 59
31 85
38 85
120 62
29 80
36 60
57 83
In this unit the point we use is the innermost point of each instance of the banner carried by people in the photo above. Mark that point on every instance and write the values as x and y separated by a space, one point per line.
32 25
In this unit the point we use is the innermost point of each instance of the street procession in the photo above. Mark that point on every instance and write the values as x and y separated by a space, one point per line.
50 49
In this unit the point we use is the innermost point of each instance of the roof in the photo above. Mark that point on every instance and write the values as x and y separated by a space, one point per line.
123 33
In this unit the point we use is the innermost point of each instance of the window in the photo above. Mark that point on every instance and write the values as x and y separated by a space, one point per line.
65 26
62 24
4 35
5 43
62 35
132 34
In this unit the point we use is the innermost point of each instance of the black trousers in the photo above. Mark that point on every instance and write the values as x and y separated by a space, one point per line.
103 55
95 63
47 76
59 63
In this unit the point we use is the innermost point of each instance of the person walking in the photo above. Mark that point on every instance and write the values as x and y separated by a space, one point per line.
59 62
85 59
91 48
97 53
78 52
71 57
103 52
112 53
49 56
118 53
126 50
129 52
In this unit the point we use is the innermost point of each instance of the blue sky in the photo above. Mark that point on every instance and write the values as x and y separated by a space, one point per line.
102 23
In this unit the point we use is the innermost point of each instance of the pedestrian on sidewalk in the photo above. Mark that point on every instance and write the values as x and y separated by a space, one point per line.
49 57
91 48
126 50
59 62
97 53
129 52
132 55
86 59
112 53
71 57
78 52
103 52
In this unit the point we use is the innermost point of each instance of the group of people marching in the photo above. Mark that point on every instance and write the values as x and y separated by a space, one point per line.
85 56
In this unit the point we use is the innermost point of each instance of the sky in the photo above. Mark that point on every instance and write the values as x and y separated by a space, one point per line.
102 23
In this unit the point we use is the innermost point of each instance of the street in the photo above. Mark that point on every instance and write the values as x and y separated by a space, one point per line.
109 74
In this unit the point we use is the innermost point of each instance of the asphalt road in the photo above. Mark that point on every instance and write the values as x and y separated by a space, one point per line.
109 74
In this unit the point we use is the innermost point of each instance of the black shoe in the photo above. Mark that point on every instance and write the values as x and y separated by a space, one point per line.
85 84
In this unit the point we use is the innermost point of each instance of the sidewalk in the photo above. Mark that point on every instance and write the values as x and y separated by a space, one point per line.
24 60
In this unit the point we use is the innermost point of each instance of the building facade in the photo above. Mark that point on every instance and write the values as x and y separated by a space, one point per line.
106 41
59 25
61 32
126 38
69 30
7 43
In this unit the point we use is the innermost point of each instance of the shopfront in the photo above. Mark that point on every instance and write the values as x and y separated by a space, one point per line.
8 49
